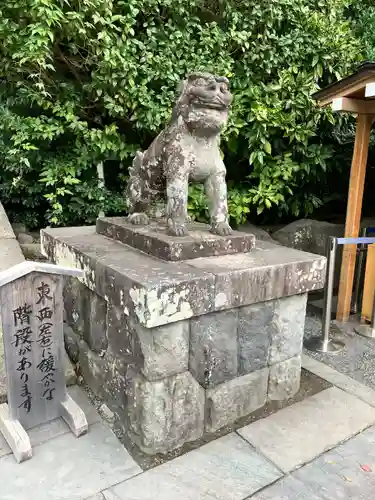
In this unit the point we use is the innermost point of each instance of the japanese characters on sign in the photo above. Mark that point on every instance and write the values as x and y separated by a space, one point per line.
44 314
23 343
33 342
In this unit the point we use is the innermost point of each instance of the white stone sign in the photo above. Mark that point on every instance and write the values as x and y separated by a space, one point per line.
32 320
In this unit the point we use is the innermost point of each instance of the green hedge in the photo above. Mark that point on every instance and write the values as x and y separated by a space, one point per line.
85 81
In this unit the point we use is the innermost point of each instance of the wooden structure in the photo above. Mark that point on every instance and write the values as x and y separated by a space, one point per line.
31 304
353 94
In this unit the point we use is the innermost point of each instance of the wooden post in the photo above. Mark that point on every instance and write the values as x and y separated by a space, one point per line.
353 214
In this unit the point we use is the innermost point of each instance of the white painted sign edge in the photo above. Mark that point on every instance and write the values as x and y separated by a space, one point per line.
27 267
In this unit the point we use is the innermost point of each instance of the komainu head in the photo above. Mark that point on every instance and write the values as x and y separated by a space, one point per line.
204 103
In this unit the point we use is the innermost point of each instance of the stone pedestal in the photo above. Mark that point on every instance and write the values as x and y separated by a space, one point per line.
182 347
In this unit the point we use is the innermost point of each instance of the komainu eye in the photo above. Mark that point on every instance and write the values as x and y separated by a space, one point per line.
223 87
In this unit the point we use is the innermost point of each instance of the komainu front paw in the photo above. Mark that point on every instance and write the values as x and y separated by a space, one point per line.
177 229
138 219
221 228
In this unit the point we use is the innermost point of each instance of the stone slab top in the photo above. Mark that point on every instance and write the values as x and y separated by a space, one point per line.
157 292
154 240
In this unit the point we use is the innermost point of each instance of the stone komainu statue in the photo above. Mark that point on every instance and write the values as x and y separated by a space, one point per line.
187 149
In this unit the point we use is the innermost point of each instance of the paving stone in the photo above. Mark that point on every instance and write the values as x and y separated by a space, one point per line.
213 347
288 327
225 469
285 378
165 414
254 336
98 496
338 475
297 434
231 400
68 468
165 349
287 488
338 379
57 427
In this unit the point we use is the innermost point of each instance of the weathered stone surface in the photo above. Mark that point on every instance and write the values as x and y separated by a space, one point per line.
76 304
268 272
165 349
6 230
25 238
152 291
297 434
18 228
259 233
187 149
308 235
284 379
106 377
70 376
154 239
225 469
341 473
213 347
32 251
10 253
71 341
157 292
86 311
122 337
231 400
255 325
95 332
311 236
288 327
165 414
100 461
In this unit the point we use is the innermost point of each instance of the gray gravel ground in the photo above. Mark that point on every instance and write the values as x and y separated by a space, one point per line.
357 360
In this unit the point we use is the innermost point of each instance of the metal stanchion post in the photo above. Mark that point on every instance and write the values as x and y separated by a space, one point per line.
324 344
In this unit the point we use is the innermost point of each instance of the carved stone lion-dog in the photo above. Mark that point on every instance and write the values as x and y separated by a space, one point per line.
186 150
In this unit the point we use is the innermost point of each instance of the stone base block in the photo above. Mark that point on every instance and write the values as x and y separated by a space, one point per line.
285 378
232 400
154 239
164 415
175 349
